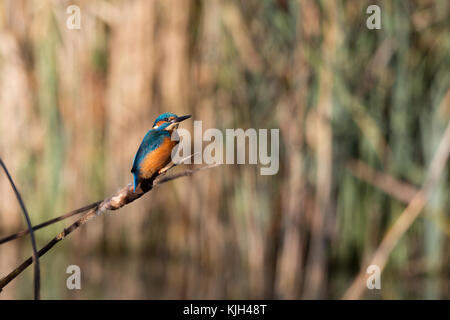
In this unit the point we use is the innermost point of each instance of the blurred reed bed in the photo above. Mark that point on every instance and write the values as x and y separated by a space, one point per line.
74 105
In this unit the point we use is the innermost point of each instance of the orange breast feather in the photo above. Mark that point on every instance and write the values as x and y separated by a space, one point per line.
157 159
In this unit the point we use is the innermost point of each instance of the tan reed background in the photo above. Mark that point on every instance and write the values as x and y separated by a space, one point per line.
74 105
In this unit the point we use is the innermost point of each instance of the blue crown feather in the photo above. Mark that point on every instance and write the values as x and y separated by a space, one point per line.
164 116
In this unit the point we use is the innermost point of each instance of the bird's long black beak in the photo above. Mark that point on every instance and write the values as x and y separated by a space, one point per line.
182 118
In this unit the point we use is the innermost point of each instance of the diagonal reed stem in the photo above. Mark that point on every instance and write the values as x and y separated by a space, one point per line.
407 217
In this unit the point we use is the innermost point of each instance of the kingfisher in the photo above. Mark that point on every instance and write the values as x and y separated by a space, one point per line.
154 153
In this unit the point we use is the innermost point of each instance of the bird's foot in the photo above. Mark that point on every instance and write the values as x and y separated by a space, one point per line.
166 168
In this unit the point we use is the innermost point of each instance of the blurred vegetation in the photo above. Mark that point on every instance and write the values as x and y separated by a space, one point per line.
74 105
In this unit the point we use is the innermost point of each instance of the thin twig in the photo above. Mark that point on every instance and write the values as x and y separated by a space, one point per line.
119 199
22 233
407 217
185 173
37 280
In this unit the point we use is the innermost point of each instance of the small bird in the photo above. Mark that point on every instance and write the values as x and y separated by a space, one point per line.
154 153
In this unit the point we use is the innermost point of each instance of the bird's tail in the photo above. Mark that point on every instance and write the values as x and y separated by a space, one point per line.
135 181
